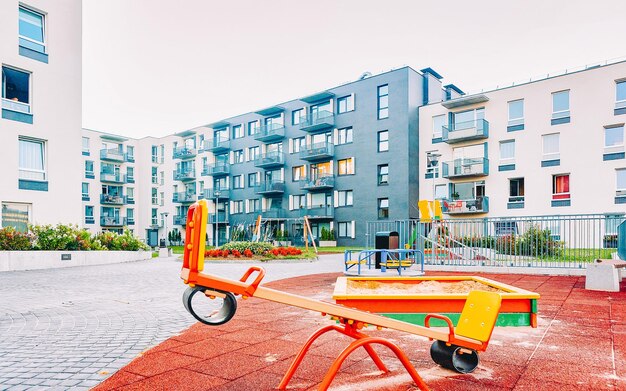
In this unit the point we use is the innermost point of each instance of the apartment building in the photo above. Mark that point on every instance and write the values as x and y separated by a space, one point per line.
40 127
554 146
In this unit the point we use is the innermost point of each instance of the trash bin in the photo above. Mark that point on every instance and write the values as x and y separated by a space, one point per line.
162 243
386 240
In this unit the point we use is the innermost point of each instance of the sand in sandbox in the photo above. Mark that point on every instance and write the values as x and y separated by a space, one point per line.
428 286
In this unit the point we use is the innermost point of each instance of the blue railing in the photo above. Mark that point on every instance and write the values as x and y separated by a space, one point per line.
398 259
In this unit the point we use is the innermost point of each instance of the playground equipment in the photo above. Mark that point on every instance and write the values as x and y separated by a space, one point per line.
396 259
457 348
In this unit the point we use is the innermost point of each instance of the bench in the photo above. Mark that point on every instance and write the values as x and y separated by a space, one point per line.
604 275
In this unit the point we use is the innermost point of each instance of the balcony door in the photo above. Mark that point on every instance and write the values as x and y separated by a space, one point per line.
467 119
321 110
320 170
322 138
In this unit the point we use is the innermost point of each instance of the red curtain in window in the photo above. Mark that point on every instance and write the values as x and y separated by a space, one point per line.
561 187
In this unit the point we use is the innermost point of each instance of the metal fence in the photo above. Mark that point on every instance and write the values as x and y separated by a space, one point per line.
566 241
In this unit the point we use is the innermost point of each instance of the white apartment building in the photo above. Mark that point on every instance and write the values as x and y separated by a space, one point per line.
548 147
40 126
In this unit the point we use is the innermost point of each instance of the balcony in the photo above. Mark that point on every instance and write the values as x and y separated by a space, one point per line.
270 160
110 221
184 153
216 145
113 155
271 188
270 133
185 175
180 220
477 205
317 122
322 182
220 194
221 217
111 177
321 212
184 197
318 151
216 169
111 199
462 168
465 131
273 213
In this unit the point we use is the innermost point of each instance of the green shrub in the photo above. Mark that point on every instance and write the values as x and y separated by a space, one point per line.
257 248
123 242
327 234
61 237
13 240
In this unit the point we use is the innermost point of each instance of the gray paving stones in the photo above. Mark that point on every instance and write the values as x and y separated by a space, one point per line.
61 327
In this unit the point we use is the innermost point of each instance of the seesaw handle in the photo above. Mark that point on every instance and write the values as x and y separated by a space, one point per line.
442 317
255 284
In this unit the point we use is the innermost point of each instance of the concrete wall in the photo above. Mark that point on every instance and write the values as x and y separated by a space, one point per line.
34 260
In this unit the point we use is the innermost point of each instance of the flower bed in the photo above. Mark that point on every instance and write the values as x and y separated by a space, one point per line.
256 250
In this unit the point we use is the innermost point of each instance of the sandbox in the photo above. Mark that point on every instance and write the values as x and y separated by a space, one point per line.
411 299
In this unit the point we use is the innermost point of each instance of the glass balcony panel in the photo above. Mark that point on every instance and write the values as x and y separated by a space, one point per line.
184 197
270 132
322 182
270 160
184 153
271 188
466 167
320 212
315 122
465 131
318 151
216 169
477 205
185 175
216 145
110 221
111 199
112 154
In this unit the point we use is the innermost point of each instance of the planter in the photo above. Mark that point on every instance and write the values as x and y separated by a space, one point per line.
33 260
328 243
281 243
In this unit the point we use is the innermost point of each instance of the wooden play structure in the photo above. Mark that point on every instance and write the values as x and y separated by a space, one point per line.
455 348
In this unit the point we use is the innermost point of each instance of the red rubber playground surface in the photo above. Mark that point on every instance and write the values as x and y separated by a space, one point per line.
580 344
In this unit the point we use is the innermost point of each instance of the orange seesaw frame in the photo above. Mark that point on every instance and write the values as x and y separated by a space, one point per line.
350 320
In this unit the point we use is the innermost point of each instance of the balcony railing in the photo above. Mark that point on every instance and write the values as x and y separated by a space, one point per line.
477 205
220 194
273 213
320 212
322 182
180 220
111 199
112 154
270 160
110 221
271 188
460 168
216 145
318 121
465 131
216 169
221 217
185 175
184 153
130 221
111 177
318 151
15 105
183 197
269 133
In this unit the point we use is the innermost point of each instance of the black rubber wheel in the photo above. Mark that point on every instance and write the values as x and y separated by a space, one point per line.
218 310
454 357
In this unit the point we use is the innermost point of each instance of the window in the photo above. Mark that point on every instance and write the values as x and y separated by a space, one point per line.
344 198
16 215
254 205
620 92
89 214
155 177
253 127
560 106
296 116
383 141
550 146
345 166
238 182
383 208
441 192
560 187
130 194
130 153
432 162
253 179
298 173
32 32
130 174
130 215
32 162
344 136
89 169
15 90
254 152
516 112
507 150
439 121
155 154
345 229
505 228
383 174
237 131
154 220
162 177
238 156
468 119
155 196
345 104
383 101
299 201
621 181
516 190
614 136
299 144
162 198
86 146
236 207
85 191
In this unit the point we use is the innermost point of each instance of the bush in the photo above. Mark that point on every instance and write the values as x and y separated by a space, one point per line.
123 242
327 235
63 237
13 240
257 248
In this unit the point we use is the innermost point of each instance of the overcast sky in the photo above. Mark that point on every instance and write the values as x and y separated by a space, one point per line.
155 67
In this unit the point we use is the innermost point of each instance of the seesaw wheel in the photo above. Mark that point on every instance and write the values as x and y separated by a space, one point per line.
212 311
454 357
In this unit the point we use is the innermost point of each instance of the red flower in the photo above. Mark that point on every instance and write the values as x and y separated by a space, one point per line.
275 252
247 253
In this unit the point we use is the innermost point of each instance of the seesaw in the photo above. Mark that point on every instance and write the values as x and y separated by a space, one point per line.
456 349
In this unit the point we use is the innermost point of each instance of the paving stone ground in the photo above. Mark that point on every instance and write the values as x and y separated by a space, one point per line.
73 327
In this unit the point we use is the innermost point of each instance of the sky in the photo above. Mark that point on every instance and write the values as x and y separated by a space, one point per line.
157 67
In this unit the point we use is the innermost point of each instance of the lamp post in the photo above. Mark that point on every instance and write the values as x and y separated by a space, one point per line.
165 214
434 161
216 233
